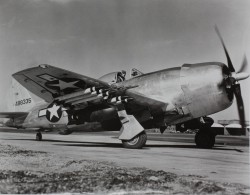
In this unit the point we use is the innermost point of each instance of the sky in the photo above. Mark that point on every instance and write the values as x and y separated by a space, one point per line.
94 37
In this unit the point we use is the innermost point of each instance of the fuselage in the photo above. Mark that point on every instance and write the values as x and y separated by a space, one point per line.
192 91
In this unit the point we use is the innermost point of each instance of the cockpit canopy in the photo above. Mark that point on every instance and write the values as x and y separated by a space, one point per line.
114 77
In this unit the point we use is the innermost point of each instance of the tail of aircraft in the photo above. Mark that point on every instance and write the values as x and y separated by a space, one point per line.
18 98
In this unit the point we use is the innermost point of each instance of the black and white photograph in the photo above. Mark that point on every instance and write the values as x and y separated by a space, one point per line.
124 97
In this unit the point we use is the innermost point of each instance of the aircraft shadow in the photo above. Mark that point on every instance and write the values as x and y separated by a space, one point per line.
119 145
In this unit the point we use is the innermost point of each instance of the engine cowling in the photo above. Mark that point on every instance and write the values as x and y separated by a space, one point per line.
204 89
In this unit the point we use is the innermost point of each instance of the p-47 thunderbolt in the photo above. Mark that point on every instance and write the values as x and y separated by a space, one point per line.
181 96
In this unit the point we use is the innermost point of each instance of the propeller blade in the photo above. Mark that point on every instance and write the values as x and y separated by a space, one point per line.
240 104
229 62
243 65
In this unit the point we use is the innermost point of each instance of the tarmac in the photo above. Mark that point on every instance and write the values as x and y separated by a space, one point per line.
227 162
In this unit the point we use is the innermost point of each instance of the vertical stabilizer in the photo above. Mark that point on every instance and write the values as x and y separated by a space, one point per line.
18 98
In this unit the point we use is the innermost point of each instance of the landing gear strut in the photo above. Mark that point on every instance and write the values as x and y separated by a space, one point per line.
39 136
137 142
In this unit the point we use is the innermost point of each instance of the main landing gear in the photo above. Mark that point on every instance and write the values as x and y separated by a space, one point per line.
132 134
205 137
137 142
39 136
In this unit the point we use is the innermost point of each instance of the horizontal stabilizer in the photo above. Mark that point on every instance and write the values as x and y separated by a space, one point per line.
13 114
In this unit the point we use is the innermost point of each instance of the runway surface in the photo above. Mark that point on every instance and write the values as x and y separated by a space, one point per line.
174 153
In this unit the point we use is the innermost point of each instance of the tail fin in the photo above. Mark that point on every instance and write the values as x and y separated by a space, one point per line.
134 73
19 99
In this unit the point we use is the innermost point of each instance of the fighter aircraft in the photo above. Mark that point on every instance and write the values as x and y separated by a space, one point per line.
181 96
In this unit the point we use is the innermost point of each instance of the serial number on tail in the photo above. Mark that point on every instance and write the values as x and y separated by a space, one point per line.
24 101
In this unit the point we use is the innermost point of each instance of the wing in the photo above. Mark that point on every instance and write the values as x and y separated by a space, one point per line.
13 114
69 88
48 82
77 91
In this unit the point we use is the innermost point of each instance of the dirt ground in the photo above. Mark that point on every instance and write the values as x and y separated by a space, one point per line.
31 172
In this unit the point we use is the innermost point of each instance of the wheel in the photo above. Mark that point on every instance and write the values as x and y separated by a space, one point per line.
137 142
39 136
204 139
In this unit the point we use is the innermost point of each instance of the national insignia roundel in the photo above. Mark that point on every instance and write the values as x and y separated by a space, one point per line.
54 113
66 85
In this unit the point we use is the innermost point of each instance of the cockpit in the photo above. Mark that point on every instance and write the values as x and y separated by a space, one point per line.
114 77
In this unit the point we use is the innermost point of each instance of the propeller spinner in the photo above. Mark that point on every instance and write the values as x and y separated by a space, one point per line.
232 79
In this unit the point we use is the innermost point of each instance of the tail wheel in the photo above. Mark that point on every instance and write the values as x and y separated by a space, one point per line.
137 142
39 136
205 139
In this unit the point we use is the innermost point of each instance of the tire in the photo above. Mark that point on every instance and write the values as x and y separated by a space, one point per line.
205 139
137 142
39 136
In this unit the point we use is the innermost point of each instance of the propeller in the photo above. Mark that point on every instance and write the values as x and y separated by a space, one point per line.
232 79
229 62
243 65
